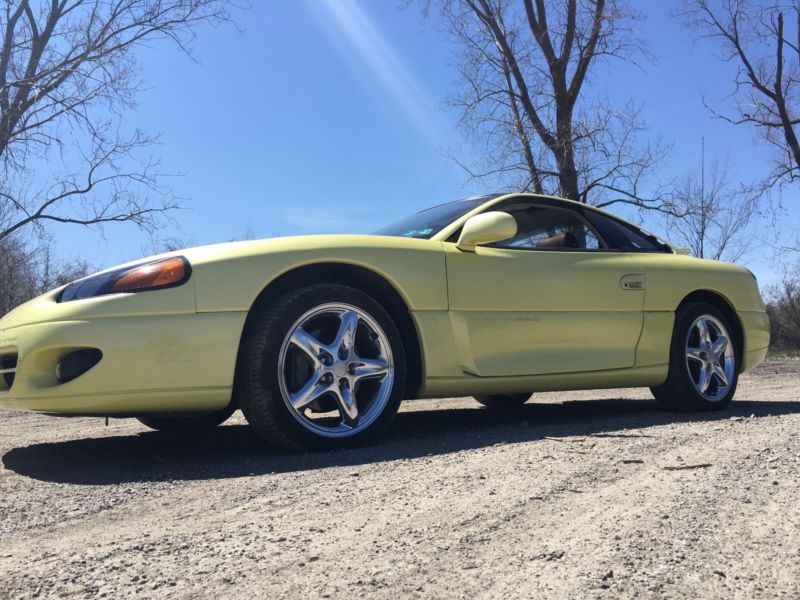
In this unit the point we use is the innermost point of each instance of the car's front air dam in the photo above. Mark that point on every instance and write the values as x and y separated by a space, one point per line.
149 364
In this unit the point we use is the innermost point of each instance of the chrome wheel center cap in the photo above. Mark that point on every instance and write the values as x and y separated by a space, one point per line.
339 369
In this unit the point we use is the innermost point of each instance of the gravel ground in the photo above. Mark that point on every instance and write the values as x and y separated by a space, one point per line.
580 494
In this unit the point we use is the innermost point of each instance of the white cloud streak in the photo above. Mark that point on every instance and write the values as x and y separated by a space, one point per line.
347 21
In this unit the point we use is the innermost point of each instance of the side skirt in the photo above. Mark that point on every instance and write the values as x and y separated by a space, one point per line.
468 385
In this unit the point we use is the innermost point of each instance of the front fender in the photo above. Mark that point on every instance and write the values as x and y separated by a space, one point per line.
232 279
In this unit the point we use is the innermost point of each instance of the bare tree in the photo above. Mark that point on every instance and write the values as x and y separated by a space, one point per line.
784 312
29 270
525 70
67 73
715 216
765 47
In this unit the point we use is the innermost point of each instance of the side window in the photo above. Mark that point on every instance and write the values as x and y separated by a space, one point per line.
621 236
547 228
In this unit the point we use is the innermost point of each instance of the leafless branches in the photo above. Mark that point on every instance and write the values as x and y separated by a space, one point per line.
27 271
67 72
524 69
784 311
712 217
762 39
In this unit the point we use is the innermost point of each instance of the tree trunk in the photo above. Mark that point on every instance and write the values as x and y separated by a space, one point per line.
565 155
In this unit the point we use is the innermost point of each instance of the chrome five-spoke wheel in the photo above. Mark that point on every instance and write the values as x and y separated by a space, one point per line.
703 365
322 367
710 357
335 370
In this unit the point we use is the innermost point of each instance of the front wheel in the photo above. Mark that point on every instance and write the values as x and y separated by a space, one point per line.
503 401
703 363
322 367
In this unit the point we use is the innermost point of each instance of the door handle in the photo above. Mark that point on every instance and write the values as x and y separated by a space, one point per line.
632 282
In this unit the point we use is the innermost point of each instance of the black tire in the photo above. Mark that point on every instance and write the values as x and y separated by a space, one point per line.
503 401
259 388
193 422
678 392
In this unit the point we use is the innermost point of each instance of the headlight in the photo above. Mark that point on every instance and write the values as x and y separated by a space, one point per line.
155 275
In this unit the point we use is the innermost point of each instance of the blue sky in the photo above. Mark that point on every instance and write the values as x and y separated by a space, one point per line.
320 116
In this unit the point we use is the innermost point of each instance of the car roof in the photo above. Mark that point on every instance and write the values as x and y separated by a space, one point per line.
497 198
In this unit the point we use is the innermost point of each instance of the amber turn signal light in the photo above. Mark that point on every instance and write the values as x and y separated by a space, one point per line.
164 273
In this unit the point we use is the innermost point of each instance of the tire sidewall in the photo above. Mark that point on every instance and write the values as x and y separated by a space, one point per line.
209 420
263 352
502 401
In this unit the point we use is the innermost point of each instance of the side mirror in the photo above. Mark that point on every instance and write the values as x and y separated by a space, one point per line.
486 228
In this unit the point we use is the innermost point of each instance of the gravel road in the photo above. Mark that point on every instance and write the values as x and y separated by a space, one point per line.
580 494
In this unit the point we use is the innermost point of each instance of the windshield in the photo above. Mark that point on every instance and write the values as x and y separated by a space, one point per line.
427 223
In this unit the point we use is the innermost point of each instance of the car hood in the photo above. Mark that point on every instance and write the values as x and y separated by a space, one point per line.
231 251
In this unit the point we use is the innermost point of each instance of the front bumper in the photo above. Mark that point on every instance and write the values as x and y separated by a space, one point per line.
151 363
755 325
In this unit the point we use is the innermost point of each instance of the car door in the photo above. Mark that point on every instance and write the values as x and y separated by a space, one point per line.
553 299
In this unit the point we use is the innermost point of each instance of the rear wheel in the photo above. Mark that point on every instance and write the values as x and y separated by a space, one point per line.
322 367
190 422
703 363
503 401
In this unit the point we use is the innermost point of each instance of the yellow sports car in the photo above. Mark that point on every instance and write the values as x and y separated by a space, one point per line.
317 339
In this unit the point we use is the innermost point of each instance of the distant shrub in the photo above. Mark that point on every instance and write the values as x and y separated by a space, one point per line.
784 313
